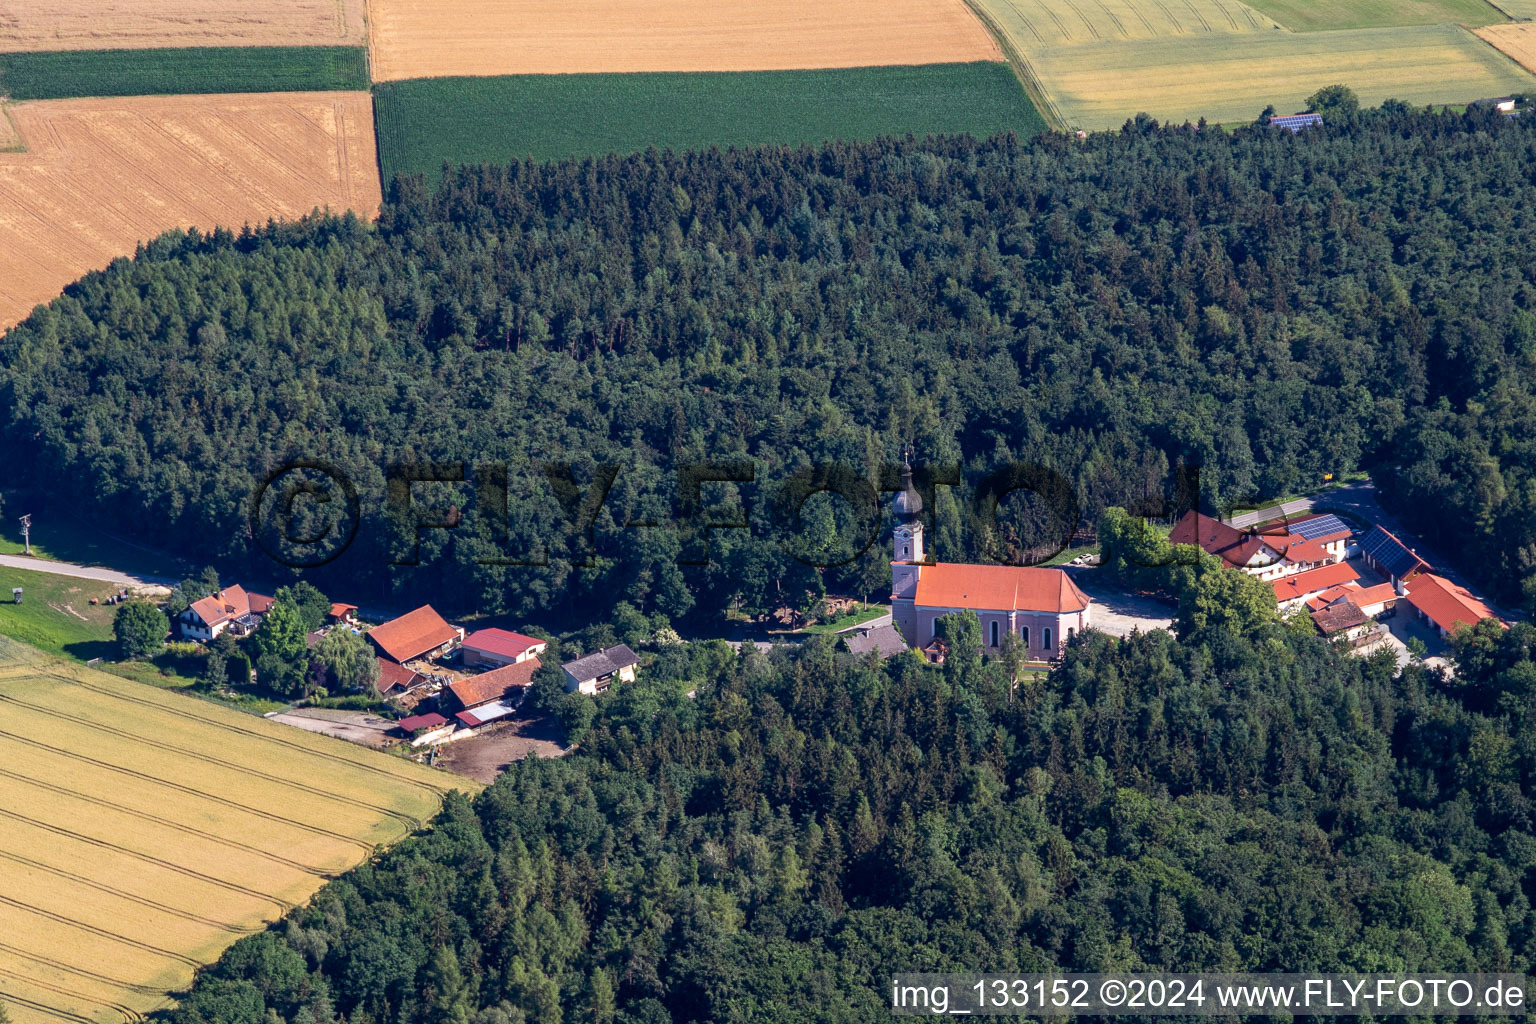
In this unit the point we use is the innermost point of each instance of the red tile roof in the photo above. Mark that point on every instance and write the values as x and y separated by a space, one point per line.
1300 549
998 588
412 634
1337 618
229 603
261 603
393 677
493 685
502 642
1312 581
1232 546
427 721
1446 604
1381 593
341 611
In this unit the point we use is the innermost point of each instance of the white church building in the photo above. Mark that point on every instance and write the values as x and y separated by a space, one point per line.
1043 607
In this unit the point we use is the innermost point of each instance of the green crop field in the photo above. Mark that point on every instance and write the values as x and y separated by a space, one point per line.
1318 15
1030 23
142 832
214 69
423 122
1522 10
1231 78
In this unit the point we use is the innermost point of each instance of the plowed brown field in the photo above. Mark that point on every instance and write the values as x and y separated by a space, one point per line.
101 175
427 39
140 24
1517 40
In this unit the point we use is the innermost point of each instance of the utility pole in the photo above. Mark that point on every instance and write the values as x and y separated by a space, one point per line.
26 532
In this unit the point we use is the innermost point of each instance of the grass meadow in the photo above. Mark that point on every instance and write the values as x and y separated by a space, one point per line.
142 832
424 122
66 74
1231 78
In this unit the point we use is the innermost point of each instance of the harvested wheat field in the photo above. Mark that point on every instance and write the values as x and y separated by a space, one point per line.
1518 40
123 24
428 39
142 832
100 176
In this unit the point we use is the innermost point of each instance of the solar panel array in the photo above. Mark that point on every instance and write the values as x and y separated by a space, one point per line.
1296 122
1322 526
1388 552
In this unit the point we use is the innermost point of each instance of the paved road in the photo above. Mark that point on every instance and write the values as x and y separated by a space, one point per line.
82 572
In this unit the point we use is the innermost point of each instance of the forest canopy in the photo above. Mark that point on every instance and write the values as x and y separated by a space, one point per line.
1269 307
774 849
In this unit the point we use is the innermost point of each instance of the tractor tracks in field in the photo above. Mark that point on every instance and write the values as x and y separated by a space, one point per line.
436 791
59 965
129 1014
147 858
49 1011
123 894
104 933
362 844
192 830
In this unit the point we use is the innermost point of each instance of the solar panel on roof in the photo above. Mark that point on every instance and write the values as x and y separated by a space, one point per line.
1388 552
1322 526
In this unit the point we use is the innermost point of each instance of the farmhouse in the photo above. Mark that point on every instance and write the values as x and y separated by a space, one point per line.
495 647
494 694
1392 558
1042 607
1343 620
883 642
1445 605
1292 590
230 609
1269 553
1377 600
596 672
417 634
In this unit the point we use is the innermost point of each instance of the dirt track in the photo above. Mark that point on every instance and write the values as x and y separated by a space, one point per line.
422 39
101 175
140 24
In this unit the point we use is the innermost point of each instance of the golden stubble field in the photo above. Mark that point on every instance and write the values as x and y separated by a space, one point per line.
139 24
99 176
1517 40
142 832
427 39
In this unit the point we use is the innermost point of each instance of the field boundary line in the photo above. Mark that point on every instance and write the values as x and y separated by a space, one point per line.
375 769
178 787
1489 43
233 929
1022 69
128 1012
167 822
150 858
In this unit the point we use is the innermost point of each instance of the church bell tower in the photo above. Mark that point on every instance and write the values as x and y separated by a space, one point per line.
908 555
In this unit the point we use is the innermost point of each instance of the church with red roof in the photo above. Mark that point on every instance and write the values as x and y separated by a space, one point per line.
1042 607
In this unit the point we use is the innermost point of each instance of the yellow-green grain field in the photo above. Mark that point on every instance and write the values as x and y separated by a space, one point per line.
142 832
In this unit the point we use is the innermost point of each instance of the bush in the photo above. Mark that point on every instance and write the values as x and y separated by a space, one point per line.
140 629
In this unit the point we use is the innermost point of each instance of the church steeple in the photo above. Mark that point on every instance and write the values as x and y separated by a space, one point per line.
908 506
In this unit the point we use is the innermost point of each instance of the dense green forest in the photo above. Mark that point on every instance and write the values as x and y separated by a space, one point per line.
775 849
1268 306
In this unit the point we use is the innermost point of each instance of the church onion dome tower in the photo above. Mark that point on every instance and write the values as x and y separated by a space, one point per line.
908 505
